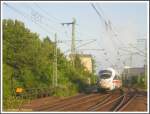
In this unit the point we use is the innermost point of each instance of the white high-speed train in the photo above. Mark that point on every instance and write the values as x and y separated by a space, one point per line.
109 79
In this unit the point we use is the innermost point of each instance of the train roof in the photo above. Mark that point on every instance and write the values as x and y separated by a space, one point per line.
110 69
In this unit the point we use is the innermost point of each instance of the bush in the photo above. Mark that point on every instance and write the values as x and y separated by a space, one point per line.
12 103
139 81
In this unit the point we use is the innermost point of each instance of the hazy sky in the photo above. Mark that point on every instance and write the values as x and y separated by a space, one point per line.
128 20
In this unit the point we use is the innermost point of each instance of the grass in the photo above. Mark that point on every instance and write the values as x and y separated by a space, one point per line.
13 103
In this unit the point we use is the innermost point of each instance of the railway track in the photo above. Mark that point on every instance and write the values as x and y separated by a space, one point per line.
130 102
126 100
85 103
65 102
80 103
58 102
113 101
103 105
116 103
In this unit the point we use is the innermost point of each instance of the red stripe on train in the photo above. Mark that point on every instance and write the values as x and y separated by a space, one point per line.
116 81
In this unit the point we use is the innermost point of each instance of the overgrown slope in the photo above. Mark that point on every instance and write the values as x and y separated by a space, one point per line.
28 63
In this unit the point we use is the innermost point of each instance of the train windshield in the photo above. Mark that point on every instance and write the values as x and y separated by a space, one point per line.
104 74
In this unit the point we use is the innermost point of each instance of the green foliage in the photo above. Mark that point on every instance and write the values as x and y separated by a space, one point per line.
12 102
7 73
28 63
138 81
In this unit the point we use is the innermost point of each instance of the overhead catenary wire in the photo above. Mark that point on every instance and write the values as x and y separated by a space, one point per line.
110 24
98 13
48 19
93 40
104 21
107 59
130 51
57 21
41 25
140 51
111 29
93 49
47 29
27 17
104 55
49 16
48 13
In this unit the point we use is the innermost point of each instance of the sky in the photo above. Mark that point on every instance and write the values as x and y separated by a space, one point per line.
128 23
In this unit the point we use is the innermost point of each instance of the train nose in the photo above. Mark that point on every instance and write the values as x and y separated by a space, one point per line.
105 84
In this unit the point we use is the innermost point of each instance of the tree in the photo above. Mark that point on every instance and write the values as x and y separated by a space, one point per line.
28 63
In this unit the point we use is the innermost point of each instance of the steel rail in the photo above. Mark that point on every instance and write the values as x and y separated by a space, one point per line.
82 102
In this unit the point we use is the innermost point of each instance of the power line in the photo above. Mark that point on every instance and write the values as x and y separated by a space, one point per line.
107 23
48 13
93 40
26 16
98 13
93 49
101 10
137 49
114 33
110 24
131 51
111 27
105 53
46 24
